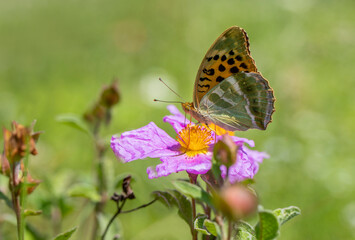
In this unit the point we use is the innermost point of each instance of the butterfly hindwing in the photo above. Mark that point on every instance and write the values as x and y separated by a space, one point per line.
240 102
228 55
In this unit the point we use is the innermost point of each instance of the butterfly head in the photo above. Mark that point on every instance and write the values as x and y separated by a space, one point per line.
189 108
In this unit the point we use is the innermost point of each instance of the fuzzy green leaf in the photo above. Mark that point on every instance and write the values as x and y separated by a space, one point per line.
84 190
73 121
285 214
65 235
30 212
212 227
175 198
194 191
268 226
244 231
199 224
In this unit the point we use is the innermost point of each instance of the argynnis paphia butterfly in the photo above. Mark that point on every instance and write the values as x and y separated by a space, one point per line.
229 91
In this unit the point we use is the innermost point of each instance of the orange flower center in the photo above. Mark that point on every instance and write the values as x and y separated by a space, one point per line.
194 140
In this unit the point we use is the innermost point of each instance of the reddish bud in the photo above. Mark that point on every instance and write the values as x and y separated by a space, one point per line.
237 201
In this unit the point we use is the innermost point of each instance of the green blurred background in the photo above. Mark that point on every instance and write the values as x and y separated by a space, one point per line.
55 56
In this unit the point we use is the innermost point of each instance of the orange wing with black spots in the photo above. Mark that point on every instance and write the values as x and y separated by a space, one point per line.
228 55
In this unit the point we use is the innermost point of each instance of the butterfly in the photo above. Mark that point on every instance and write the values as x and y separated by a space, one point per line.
229 91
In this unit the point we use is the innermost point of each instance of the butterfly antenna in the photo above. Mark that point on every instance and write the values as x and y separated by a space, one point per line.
171 90
157 100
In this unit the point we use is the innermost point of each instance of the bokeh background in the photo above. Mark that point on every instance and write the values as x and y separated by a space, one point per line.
55 56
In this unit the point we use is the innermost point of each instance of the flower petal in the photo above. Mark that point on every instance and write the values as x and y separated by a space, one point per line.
147 141
239 141
200 164
177 120
247 165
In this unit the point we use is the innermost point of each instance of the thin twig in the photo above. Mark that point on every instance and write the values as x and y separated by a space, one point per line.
119 208
229 229
142 206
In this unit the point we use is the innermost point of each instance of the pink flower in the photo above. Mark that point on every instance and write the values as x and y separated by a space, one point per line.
191 151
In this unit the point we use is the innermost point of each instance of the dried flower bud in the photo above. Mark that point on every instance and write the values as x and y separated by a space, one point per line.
31 183
117 197
126 187
110 95
17 140
225 151
4 165
237 201
101 110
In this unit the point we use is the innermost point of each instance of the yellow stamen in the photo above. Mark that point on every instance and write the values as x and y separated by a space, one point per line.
218 130
194 140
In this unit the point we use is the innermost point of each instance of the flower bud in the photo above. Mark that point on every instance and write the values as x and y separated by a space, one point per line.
110 95
127 189
4 165
31 183
225 151
237 201
17 140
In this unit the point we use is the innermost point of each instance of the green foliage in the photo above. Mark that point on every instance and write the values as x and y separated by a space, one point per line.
194 191
212 227
268 226
205 226
73 121
174 198
199 224
84 190
244 231
285 214
65 235
31 212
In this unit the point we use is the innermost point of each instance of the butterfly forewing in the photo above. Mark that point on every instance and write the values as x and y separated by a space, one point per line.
228 55
240 102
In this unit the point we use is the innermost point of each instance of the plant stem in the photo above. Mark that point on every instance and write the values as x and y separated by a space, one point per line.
15 197
193 203
101 181
119 208
229 229
142 206
23 191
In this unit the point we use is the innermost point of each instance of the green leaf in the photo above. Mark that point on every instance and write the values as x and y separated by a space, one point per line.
212 227
194 191
175 198
206 226
84 190
65 235
6 199
247 182
30 212
73 121
199 224
244 231
285 214
268 226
